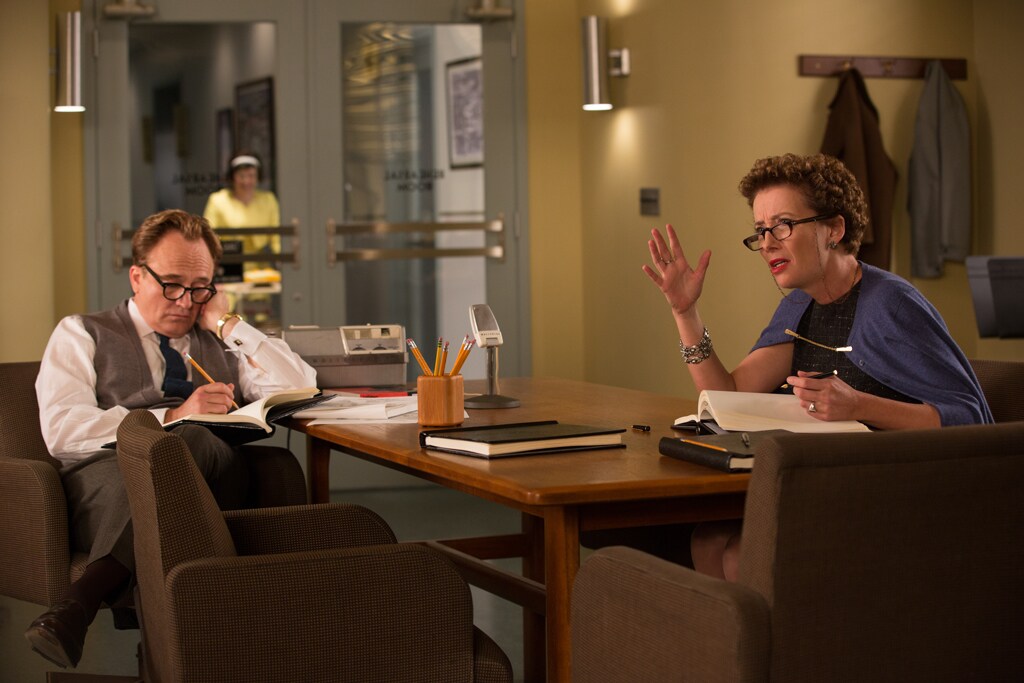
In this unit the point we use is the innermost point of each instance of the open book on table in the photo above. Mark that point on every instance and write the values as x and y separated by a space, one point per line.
523 438
744 411
254 420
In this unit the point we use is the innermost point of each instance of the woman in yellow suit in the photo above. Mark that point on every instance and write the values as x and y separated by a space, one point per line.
243 205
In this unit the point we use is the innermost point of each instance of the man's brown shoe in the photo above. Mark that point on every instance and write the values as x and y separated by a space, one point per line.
59 633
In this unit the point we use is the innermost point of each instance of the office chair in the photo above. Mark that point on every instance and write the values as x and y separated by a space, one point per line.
36 561
304 593
888 556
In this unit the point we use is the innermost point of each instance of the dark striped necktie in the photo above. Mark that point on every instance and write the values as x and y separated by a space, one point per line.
175 378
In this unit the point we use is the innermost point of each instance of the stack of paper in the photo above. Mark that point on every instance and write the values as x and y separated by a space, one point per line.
353 410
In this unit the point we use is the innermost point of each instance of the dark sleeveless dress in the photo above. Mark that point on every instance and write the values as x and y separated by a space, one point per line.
830 324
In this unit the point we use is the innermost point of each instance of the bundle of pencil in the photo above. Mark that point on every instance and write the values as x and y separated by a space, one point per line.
419 357
467 345
441 357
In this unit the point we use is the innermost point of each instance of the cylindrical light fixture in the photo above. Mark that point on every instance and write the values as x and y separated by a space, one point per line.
69 62
595 65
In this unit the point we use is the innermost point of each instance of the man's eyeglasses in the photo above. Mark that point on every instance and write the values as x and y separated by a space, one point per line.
781 230
173 291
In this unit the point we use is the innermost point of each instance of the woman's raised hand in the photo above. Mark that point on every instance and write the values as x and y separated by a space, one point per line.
681 284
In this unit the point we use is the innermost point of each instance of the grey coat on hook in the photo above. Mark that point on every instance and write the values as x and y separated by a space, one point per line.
939 190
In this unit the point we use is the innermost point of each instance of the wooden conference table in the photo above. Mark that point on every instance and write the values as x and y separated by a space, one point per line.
559 495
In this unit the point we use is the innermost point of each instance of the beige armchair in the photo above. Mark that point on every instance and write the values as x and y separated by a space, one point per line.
303 593
890 556
36 562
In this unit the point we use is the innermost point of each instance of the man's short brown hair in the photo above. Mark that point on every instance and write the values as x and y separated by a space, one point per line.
191 227
826 184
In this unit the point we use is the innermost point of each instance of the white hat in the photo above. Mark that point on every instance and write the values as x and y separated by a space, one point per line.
244 160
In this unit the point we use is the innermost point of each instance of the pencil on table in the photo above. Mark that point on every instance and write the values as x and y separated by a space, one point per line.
418 356
704 445
202 372
437 357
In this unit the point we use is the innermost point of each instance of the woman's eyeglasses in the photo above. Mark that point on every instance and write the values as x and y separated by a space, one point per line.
173 291
781 230
837 349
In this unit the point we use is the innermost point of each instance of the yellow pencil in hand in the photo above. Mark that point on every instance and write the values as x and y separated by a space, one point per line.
202 372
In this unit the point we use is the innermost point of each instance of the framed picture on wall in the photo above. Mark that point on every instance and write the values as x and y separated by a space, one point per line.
254 125
465 89
225 139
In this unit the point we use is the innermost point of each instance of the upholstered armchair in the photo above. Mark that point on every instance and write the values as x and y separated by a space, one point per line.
1003 384
303 593
890 556
36 561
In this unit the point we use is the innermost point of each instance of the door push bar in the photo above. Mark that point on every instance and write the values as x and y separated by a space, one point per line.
335 230
292 230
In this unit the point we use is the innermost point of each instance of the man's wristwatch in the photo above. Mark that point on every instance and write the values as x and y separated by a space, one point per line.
223 321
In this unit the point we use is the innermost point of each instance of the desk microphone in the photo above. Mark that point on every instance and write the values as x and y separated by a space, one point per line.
488 336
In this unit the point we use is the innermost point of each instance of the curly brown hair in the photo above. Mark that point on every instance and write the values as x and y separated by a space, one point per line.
191 226
826 184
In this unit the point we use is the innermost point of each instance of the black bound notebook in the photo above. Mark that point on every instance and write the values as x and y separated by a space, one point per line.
521 438
732 452
255 420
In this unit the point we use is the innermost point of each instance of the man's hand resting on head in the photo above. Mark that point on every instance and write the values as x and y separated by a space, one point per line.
213 310
207 398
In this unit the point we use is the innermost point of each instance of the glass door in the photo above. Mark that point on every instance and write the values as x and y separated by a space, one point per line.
175 99
386 131
415 116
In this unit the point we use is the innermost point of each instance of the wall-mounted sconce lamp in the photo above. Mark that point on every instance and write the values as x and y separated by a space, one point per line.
69 62
599 63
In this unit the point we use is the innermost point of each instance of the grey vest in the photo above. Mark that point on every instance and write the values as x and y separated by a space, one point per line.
123 375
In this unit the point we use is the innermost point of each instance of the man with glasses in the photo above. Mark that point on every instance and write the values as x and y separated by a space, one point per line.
97 367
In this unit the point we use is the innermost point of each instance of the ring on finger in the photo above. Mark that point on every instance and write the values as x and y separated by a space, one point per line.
811 408
667 261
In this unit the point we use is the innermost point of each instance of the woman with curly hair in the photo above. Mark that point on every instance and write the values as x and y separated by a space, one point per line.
897 367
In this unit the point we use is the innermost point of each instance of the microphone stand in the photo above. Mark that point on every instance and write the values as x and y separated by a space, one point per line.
492 399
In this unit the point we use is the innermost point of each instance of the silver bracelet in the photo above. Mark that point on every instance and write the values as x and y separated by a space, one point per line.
699 352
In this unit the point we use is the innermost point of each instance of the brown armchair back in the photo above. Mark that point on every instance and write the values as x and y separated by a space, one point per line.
888 556
38 564
298 593
1003 384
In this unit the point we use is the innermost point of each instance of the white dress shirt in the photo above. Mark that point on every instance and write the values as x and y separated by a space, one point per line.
74 425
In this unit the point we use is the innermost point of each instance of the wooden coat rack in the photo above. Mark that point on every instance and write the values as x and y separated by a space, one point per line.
878 67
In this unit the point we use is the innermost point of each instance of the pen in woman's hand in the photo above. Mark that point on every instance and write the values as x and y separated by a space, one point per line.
820 375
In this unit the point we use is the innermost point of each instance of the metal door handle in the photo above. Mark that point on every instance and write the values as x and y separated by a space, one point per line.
291 230
334 229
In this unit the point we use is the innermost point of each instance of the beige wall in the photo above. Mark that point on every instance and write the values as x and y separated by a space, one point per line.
999 54
26 275
714 87
67 202
556 226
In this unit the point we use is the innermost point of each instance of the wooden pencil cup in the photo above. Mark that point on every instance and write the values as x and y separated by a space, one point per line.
439 400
